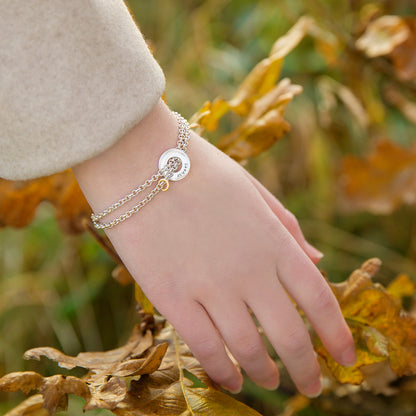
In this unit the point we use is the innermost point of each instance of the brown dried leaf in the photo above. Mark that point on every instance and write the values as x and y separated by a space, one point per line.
54 389
19 201
167 391
26 382
404 55
378 377
382 330
161 388
395 38
106 394
32 406
122 362
122 276
382 181
383 35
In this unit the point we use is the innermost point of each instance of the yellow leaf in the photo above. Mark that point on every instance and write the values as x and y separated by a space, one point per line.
402 286
382 330
264 124
382 181
142 300
209 114
265 74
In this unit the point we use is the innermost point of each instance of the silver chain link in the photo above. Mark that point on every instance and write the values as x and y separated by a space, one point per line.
162 176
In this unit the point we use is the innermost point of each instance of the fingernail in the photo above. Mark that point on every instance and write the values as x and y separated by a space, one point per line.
349 357
234 389
272 384
314 252
315 389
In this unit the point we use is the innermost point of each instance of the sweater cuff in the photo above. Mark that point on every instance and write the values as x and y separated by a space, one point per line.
76 76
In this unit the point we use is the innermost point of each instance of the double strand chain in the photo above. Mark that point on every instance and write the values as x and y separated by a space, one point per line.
174 164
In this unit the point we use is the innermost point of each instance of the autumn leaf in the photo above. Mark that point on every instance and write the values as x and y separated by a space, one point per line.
260 99
168 391
404 56
395 38
265 74
144 377
54 389
138 356
380 182
383 35
209 115
20 199
32 406
382 330
402 286
264 124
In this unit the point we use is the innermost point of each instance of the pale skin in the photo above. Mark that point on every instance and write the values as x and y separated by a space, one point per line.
214 248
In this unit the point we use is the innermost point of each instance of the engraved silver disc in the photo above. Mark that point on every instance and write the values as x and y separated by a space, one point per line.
182 156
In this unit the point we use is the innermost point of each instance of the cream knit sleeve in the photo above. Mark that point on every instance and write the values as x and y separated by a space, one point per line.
75 75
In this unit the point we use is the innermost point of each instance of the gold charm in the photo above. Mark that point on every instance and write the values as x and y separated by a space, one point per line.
164 184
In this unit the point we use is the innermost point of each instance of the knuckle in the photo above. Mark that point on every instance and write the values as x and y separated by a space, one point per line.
291 220
207 349
308 378
296 343
324 298
225 376
249 350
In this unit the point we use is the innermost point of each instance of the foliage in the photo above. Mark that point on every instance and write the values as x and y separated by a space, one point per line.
144 377
348 157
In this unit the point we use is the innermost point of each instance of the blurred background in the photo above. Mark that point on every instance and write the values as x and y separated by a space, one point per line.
57 289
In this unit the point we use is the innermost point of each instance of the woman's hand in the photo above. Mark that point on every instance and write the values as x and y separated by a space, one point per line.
214 248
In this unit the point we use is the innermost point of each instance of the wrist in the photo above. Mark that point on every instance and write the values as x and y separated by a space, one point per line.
129 162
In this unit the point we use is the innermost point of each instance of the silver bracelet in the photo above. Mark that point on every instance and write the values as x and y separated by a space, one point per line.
174 165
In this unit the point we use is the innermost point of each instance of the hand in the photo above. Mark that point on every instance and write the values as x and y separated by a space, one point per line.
214 248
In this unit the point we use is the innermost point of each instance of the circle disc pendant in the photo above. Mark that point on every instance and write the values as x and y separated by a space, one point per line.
182 156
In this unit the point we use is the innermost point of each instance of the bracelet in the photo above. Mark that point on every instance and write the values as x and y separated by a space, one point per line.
174 165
